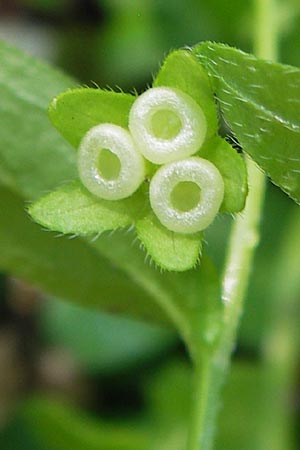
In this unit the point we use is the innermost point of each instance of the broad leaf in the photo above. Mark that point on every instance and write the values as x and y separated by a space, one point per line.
233 170
33 161
181 70
73 209
76 111
110 274
33 158
190 299
171 251
260 101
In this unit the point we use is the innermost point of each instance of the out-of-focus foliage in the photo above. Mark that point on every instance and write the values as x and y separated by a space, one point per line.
102 343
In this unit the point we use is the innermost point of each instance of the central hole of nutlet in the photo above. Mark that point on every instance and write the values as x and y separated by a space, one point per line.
185 196
165 124
109 165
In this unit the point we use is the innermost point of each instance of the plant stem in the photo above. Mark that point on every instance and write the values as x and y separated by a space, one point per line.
202 380
267 33
243 241
245 232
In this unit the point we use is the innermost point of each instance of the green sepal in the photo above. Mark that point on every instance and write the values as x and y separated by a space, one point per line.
76 111
73 209
233 170
169 250
260 101
181 70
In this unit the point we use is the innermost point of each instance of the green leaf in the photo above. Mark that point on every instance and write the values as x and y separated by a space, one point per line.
202 310
260 101
76 111
33 161
181 70
233 170
109 273
67 268
191 299
73 209
169 250
33 158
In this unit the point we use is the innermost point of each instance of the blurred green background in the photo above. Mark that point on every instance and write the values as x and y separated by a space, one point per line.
77 379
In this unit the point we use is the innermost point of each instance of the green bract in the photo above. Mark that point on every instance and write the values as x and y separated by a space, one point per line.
80 113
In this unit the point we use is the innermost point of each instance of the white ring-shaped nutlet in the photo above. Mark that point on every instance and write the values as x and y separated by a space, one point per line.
109 164
186 195
167 125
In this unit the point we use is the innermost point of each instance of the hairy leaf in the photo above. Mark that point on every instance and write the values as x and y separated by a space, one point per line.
171 251
64 267
233 170
73 209
76 111
260 101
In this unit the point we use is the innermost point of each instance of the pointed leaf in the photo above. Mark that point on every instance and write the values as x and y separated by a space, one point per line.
169 250
76 111
73 209
233 170
181 70
260 101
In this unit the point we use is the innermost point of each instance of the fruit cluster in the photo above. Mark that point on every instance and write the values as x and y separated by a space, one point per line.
166 127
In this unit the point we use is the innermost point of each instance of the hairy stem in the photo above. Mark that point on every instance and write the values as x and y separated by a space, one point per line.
243 241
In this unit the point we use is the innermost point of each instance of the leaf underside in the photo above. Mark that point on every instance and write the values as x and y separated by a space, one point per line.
260 101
